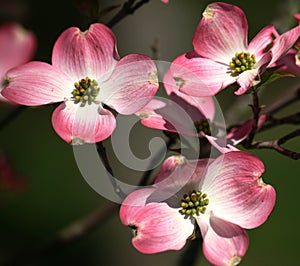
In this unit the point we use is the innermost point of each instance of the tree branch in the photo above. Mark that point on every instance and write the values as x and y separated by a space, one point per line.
128 8
69 234
276 145
103 155
12 115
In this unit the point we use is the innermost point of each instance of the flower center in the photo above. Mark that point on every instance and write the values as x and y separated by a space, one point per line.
86 91
242 62
193 203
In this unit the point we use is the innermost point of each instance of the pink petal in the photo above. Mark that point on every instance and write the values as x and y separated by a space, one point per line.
247 78
284 42
200 76
196 107
88 124
224 243
219 144
236 192
221 32
151 118
262 40
17 46
157 226
240 132
90 53
288 63
132 84
37 83
179 175
172 117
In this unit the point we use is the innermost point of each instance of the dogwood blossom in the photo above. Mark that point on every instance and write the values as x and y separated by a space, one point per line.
17 46
220 197
86 74
222 55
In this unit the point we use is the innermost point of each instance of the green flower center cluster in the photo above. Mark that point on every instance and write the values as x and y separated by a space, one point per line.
242 62
193 203
86 91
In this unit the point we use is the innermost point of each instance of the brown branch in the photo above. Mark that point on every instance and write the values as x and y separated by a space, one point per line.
12 115
276 145
69 234
128 8
145 178
103 155
293 119
256 111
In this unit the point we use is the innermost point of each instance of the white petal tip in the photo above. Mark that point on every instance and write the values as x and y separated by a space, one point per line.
208 13
153 78
234 261
77 141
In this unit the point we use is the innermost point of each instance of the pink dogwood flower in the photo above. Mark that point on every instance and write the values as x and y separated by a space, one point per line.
17 46
181 113
86 74
290 63
222 55
220 197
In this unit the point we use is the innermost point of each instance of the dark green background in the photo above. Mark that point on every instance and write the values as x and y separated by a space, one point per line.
58 194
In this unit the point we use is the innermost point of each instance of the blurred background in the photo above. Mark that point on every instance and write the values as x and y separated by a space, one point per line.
52 193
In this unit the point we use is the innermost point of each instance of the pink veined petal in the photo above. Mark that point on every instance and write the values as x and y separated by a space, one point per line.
197 107
221 32
167 116
90 53
165 1
236 191
132 84
157 227
247 78
151 117
219 145
283 43
224 243
240 132
37 83
197 76
77 125
288 63
180 176
17 46
262 41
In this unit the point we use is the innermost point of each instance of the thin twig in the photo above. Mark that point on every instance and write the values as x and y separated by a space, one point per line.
191 252
12 115
276 145
69 234
293 119
103 155
145 178
128 8
256 111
